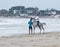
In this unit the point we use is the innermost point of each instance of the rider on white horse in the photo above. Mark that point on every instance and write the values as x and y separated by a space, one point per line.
37 19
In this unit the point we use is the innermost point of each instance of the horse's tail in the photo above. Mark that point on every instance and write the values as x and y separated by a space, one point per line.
44 24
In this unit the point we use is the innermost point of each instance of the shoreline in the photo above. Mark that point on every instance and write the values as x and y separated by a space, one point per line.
18 35
26 16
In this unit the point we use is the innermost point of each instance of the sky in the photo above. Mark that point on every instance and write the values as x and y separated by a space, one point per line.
41 4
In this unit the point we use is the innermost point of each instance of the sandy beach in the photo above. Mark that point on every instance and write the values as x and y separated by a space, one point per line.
50 39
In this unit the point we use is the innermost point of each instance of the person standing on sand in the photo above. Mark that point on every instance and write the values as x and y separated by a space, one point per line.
30 25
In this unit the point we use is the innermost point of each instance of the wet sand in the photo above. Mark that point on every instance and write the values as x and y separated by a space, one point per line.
50 39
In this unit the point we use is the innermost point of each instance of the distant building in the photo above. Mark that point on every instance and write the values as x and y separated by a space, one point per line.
41 13
4 12
16 10
58 12
47 12
30 11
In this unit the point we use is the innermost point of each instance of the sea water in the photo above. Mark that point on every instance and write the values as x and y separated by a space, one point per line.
15 26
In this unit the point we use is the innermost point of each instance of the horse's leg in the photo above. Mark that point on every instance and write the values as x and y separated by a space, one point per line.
31 31
34 30
40 29
43 29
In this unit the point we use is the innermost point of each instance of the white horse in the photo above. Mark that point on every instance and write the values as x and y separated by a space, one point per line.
41 25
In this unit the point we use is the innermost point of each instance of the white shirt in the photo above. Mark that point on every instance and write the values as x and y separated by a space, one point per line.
37 18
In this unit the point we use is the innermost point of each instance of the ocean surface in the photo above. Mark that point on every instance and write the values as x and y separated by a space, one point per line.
16 26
